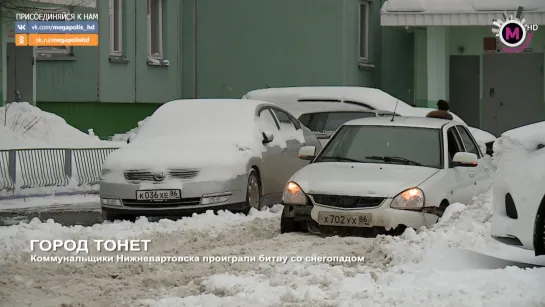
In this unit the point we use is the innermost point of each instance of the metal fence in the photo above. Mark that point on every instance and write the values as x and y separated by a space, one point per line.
24 169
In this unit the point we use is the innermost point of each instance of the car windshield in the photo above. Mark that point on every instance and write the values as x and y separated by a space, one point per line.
385 144
327 122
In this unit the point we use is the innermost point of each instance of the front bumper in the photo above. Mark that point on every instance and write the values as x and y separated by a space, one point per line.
382 216
121 197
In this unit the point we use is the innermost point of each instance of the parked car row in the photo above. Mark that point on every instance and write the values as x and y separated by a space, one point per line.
379 172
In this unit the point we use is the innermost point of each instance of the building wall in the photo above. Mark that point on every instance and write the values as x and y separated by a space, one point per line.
471 39
68 78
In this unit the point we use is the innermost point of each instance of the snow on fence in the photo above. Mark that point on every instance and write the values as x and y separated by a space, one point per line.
48 171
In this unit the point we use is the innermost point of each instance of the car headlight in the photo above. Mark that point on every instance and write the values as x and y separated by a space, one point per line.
410 199
293 194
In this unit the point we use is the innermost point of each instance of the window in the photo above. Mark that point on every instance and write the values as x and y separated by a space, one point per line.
53 50
155 29
468 142
453 142
331 121
267 122
364 32
284 120
116 28
360 143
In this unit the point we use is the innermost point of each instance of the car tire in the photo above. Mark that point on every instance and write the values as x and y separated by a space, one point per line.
539 230
253 192
288 223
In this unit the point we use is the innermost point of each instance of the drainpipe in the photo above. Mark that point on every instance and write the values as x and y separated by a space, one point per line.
98 59
180 46
135 51
195 49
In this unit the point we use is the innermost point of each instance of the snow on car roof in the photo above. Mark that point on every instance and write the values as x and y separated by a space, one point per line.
372 97
203 118
300 108
400 121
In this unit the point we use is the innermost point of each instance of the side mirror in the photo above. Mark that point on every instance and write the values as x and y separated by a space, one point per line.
465 159
267 137
307 152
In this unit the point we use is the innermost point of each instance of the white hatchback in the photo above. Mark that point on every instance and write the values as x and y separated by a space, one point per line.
381 176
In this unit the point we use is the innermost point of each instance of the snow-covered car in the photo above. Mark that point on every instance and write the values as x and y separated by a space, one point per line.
204 154
324 117
376 175
519 188
367 97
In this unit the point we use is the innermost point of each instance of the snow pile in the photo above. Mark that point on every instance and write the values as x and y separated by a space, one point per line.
123 137
33 128
525 139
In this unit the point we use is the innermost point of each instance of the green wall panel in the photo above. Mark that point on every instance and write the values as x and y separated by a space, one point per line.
106 119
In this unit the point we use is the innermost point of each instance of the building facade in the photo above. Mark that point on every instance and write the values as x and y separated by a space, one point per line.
154 51
459 58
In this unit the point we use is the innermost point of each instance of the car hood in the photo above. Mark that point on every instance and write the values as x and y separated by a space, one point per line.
178 154
360 179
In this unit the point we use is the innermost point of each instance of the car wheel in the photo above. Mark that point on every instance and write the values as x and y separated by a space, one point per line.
288 223
539 230
253 192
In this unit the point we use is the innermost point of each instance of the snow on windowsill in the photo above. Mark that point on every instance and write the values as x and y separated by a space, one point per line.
158 62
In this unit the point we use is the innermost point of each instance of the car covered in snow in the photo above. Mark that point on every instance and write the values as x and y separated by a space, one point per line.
376 175
325 117
366 97
204 154
519 188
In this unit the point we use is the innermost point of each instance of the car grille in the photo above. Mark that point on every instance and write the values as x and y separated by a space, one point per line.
148 176
348 202
161 204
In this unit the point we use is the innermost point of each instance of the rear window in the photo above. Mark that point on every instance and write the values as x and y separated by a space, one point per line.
330 121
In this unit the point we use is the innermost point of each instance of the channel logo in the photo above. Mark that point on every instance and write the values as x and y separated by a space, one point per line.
513 31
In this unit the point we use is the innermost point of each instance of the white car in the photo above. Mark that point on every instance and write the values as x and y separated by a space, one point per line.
519 188
366 97
376 175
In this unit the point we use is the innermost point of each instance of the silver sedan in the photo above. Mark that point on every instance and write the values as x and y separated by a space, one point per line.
204 154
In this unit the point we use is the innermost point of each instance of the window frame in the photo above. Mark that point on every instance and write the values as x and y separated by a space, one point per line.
459 143
473 141
116 50
160 34
294 121
365 59
53 51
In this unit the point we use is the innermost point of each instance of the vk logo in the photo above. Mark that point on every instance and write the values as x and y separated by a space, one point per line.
21 27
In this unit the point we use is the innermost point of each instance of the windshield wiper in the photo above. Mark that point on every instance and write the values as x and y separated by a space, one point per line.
394 159
339 158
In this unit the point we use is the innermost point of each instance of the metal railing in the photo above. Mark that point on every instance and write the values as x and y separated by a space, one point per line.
22 170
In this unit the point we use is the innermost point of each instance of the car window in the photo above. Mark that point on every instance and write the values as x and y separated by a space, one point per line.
331 121
454 143
368 144
267 122
304 119
469 145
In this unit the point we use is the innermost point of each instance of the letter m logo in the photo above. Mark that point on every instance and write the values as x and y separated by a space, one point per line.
509 33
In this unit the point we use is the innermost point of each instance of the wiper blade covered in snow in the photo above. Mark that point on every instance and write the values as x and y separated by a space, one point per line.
394 159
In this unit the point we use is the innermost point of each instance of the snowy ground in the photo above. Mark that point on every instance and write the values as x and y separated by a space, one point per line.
425 268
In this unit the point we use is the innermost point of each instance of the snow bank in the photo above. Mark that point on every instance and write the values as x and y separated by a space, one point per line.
410 270
123 137
33 128
524 139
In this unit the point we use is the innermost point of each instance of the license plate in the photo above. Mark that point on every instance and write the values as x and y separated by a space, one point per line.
345 219
158 194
